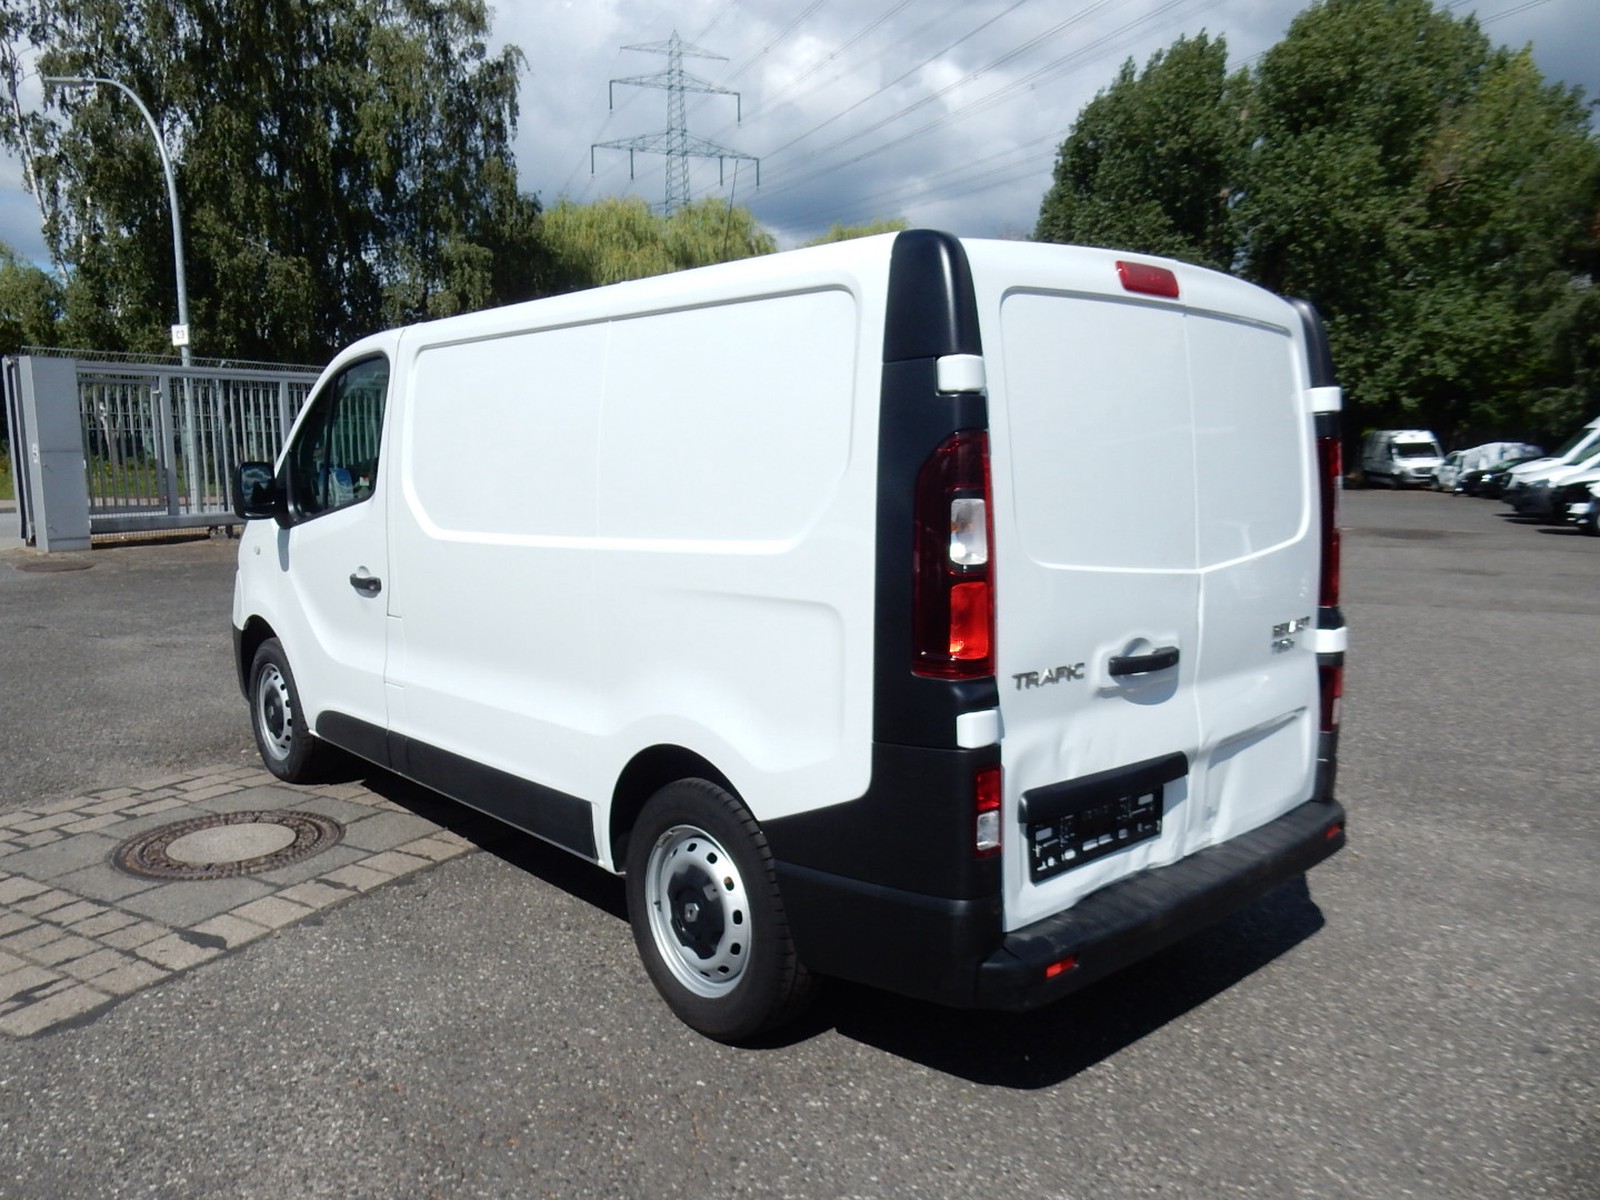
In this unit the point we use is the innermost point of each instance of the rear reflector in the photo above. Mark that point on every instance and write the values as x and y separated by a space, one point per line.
1061 968
986 806
1332 680
1151 280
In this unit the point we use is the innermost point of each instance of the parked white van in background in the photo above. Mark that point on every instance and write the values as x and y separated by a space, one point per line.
957 617
1400 457
1580 446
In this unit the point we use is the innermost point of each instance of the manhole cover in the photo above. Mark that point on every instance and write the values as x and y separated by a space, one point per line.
52 565
227 845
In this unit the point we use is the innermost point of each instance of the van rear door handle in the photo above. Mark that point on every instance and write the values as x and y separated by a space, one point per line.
367 585
1143 664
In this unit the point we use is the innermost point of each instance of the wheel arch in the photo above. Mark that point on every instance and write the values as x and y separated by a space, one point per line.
246 642
647 773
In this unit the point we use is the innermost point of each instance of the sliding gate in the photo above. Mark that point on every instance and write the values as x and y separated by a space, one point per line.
157 443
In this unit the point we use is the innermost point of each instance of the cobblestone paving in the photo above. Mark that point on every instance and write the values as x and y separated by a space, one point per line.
76 934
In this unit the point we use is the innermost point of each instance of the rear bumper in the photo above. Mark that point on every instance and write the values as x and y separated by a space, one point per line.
953 951
1135 917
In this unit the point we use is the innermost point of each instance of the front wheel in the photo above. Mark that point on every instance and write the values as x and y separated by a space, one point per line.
707 917
287 745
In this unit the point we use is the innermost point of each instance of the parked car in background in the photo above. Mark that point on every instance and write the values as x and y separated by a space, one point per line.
1400 457
1490 482
1447 475
1459 463
1576 448
1589 521
1537 494
1573 499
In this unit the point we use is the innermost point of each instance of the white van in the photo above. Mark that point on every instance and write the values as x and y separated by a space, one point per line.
1580 446
957 617
1400 457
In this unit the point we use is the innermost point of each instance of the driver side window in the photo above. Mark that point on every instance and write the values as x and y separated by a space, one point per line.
334 462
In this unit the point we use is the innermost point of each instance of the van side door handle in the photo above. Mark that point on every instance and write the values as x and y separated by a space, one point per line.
367 585
1143 664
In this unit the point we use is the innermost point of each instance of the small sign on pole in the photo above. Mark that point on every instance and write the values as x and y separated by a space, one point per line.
180 335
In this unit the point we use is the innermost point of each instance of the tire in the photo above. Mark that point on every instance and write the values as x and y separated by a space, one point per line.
286 744
707 916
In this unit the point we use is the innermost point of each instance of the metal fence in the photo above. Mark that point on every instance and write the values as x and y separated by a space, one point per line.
160 441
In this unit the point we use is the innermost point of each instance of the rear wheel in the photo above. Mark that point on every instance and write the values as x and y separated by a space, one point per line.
287 745
707 916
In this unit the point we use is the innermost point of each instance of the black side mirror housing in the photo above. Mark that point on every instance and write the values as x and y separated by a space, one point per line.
256 492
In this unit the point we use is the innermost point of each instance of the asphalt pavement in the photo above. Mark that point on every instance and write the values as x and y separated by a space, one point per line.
1417 1017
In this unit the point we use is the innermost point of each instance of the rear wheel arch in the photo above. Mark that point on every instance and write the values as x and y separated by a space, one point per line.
647 773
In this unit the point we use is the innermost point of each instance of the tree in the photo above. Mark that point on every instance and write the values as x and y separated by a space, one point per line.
1152 161
1429 192
845 233
342 165
30 307
621 238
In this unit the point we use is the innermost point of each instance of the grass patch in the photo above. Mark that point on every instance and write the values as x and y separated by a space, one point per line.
7 490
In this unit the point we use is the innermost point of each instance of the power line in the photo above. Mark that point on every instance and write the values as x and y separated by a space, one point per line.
1008 56
1026 82
900 78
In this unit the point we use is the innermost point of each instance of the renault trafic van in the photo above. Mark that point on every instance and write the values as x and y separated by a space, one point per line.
957 617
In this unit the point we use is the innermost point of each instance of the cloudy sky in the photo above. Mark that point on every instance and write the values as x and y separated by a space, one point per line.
944 112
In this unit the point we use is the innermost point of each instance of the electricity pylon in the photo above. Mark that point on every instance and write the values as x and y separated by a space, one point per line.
676 142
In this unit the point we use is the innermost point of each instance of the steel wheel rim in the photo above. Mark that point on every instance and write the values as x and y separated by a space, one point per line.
274 712
699 911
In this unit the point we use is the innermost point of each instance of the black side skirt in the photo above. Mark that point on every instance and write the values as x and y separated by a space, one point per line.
567 821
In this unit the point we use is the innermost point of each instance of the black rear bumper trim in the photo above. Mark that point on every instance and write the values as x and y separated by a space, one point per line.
1144 913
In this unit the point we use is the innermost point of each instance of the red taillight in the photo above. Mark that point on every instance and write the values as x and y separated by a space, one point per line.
1330 464
953 587
1061 967
1151 280
1332 680
986 811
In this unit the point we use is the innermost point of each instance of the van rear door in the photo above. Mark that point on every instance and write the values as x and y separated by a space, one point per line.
1156 567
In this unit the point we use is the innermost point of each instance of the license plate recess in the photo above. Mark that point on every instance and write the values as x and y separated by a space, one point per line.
1072 823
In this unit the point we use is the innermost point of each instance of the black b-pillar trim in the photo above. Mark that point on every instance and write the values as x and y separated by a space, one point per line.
932 312
1328 425
933 307
885 887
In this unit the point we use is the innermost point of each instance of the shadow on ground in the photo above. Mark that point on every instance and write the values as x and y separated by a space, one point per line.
1014 1050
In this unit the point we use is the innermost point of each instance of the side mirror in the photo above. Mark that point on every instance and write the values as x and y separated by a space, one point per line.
256 493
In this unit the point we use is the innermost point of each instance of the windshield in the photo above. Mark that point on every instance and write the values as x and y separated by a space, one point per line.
1416 450
1573 442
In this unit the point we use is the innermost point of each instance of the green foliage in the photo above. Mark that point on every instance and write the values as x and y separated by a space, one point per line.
621 238
1153 159
30 304
1430 193
30 309
342 165
845 233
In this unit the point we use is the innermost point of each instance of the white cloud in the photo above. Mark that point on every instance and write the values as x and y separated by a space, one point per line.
976 161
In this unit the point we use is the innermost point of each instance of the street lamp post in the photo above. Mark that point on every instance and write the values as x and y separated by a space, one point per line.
87 81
